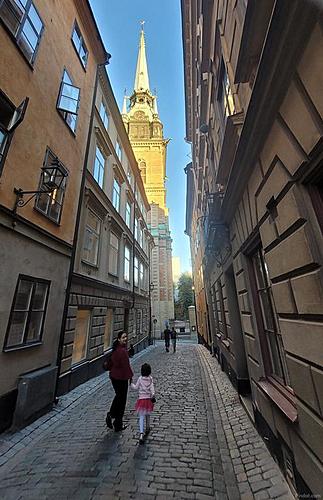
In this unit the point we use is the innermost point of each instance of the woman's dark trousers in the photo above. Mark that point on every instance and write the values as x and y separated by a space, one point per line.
119 403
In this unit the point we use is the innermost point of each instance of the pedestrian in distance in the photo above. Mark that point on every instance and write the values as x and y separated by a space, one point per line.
173 335
121 376
146 399
167 334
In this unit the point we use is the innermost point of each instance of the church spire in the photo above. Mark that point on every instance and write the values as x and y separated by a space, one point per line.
142 79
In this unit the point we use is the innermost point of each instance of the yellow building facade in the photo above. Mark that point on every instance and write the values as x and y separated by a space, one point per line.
145 130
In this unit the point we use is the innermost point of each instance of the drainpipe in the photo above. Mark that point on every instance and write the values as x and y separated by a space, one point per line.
75 237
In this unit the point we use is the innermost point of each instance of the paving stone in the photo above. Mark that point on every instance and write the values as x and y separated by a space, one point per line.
208 451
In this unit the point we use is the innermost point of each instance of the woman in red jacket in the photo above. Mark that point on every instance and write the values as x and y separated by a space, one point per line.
121 375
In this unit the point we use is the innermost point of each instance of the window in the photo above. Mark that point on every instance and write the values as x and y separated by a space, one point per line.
79 45
82 326
68 101
99 163
27 314
126 274
225 96
10 118
136 272
91 238
104 115
140 234
51 204
23 21
142 168
136 228
128 213
273 351
116 195
108 329
119 150
113 254
141 274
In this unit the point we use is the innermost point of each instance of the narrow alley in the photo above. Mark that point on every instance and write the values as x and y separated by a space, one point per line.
202 444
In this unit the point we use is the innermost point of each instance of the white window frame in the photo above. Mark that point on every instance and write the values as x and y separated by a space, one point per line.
136 271
126 268
114 245
116 194
95 234
99 167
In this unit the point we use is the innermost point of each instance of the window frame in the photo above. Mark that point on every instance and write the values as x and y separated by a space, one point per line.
76 28
26 344
51 194
105 115
18 115
126 277
63 112
116 193
128 214
225 93
118 150
116 251
88 262
141 275
89 325
20 29
266 334
101 167
136 271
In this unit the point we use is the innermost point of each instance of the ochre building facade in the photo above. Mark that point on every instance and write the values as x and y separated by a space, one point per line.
145 130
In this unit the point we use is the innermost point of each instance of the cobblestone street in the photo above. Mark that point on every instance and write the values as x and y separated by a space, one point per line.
202 444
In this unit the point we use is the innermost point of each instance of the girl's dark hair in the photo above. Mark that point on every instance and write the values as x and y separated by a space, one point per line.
116 341
145 370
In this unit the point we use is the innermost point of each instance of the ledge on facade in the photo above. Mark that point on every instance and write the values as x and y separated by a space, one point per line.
256 20
229 145
95 203
279 399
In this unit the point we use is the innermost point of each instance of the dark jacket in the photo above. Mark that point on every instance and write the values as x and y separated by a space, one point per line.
167 334
121 369
173 334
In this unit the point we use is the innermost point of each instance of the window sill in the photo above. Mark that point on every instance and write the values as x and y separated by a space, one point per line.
90 264
279 399
226 343
22 347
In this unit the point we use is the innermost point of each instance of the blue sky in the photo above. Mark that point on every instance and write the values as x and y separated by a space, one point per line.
119 24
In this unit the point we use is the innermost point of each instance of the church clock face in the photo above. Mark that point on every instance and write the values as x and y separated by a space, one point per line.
140 115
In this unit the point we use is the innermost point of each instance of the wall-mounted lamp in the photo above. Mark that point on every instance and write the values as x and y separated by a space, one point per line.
52 178
204 128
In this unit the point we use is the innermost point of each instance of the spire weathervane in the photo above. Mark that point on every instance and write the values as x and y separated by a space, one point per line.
142 25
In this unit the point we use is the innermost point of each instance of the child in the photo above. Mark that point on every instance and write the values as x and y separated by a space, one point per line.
146 398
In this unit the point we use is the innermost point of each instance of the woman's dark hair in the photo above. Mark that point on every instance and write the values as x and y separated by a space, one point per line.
145 370
116 341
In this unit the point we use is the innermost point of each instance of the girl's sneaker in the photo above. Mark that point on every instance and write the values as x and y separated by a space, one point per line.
141 439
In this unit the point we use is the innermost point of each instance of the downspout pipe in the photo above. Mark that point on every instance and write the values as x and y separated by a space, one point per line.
75 237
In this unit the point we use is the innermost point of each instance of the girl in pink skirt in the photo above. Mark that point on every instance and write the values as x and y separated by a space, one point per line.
146 399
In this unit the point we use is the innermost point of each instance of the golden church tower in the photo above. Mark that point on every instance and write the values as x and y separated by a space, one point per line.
145 130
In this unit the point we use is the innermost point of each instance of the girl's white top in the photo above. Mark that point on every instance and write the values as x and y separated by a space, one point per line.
145 385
